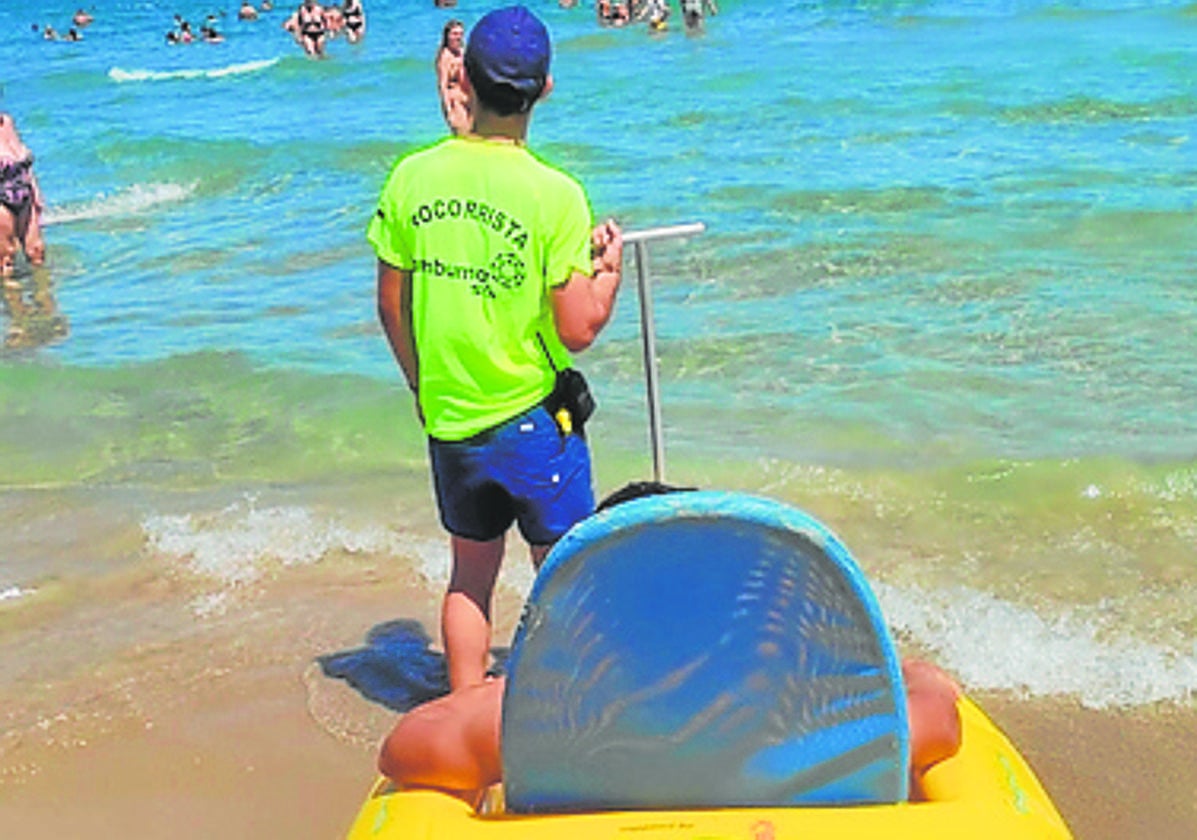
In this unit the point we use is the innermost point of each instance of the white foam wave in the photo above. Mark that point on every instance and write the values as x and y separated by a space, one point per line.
12 593
432 560
235 545
136 199
989 643
120 75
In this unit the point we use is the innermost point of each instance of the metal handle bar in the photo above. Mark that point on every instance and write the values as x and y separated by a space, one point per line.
639 239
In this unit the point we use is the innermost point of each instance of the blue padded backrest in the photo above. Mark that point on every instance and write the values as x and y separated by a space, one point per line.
702 649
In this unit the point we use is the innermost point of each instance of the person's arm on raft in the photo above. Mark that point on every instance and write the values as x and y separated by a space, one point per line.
453 743
935 732
450 744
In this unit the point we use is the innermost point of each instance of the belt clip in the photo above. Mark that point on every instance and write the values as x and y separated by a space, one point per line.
564 421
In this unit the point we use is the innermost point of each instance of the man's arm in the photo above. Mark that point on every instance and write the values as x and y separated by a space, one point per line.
583 305
935 732
451 743
394 311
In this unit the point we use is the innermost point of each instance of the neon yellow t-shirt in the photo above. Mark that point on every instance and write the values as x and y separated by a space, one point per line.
486 230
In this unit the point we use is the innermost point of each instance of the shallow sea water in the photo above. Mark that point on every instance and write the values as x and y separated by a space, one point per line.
943 301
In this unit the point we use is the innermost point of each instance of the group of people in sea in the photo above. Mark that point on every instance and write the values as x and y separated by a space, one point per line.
79 21
310 24
655 13
313 25
183 34
449 70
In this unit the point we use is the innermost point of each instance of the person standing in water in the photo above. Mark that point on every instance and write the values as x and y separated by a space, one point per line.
455 106
21 204
311 28
693 11
355 20
21 201
656 12
489 273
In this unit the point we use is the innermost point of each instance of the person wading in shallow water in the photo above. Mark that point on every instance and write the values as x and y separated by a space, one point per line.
311 27
693 11
488 274
455 105
354 16
21 202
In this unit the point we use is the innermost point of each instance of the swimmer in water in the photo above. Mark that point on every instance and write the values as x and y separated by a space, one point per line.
208 31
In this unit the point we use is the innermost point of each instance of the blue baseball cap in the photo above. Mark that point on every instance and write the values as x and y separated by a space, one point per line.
507 58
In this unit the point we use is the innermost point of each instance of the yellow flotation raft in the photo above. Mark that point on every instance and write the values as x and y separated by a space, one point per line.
987 790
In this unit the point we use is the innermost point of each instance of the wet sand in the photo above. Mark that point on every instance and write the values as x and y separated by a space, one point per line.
236 734
1112 774
241 759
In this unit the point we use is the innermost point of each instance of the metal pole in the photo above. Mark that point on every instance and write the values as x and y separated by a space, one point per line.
648 331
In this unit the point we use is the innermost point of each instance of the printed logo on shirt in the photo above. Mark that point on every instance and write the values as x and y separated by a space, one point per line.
506 272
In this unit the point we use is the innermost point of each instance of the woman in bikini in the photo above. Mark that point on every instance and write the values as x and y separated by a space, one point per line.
355 20
455 105
312 26
33 313
20 200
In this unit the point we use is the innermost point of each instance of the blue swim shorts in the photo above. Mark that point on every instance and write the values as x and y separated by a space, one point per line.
524 470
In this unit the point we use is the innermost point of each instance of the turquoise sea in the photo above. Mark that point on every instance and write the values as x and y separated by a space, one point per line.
946 300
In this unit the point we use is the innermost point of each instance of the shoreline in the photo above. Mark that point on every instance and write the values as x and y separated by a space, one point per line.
156 702
245 758
236 733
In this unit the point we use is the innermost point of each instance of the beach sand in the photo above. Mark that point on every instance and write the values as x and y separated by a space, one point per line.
1112 774
236 734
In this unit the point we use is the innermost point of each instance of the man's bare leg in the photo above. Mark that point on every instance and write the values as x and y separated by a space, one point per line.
465 614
